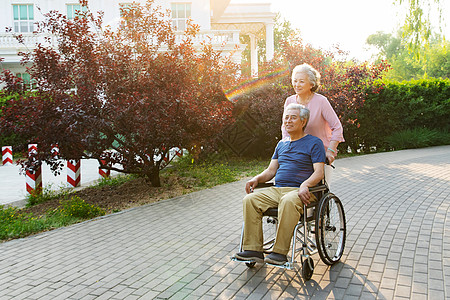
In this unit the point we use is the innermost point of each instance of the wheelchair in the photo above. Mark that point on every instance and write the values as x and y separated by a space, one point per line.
320 229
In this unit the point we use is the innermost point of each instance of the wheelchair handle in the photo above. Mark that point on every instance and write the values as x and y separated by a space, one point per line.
327 162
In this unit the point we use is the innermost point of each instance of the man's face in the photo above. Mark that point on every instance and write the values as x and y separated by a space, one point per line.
292 121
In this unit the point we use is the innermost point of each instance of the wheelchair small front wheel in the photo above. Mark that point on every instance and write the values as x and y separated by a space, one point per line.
307 268
251 264
330 229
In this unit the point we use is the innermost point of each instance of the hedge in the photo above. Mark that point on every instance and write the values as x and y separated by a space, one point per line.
404 107
392 110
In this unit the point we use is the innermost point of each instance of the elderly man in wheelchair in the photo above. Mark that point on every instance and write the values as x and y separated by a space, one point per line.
298 167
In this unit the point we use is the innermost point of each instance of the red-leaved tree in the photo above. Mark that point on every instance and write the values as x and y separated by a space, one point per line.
345 84
133 90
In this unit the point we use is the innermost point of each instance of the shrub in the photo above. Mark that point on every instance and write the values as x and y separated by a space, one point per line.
45 195
78 208
263 108
403 106
14 223
417 138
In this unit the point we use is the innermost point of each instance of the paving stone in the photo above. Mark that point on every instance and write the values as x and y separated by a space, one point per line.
403 291
398 217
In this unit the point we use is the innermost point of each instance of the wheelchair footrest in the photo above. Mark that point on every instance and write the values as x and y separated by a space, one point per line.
287 265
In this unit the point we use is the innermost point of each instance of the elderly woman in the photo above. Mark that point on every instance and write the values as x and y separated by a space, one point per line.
323 122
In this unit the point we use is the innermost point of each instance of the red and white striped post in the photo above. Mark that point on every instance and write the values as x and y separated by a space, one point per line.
32 149
55 151
103 172
73 173
7 156
34 173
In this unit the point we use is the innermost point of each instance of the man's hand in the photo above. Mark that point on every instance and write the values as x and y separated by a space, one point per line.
304 195
251 185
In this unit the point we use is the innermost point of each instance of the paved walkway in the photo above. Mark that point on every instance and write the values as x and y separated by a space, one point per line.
398 244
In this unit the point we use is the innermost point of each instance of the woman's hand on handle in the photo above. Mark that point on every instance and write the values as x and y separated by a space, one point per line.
330 157
332 151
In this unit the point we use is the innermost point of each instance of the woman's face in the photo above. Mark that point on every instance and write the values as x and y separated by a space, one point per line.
301 84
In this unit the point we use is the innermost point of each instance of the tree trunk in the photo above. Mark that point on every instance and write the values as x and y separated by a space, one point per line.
154 177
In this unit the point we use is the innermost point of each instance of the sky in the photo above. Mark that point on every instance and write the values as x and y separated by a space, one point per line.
347 23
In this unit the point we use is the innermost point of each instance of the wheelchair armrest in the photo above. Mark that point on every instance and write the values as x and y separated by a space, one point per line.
318 188
264 185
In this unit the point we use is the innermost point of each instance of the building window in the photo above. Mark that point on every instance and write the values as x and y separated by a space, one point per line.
27 81
72 10
181 12
23 17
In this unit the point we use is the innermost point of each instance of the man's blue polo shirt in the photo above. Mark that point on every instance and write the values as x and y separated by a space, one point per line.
296 159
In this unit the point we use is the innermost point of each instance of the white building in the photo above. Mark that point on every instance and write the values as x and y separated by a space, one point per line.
219 20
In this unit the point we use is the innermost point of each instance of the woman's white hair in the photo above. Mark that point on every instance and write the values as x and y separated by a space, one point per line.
313 75
303 112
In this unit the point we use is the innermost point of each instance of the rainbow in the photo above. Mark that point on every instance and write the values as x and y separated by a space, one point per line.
254 83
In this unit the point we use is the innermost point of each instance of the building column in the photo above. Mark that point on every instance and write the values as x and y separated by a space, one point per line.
269 41
253 55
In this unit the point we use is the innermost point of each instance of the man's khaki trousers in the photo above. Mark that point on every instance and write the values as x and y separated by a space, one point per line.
290 208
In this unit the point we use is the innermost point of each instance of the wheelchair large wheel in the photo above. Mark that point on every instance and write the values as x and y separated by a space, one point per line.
330 229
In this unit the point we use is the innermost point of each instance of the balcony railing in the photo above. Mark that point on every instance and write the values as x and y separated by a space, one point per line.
9 41
216 37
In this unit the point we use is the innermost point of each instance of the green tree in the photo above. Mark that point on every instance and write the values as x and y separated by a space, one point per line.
432 62
433 59
438 62
417 28
386 43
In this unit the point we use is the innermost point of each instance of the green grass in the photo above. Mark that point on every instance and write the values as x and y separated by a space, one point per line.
45 195
14 224
49 194
114 181
215 172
